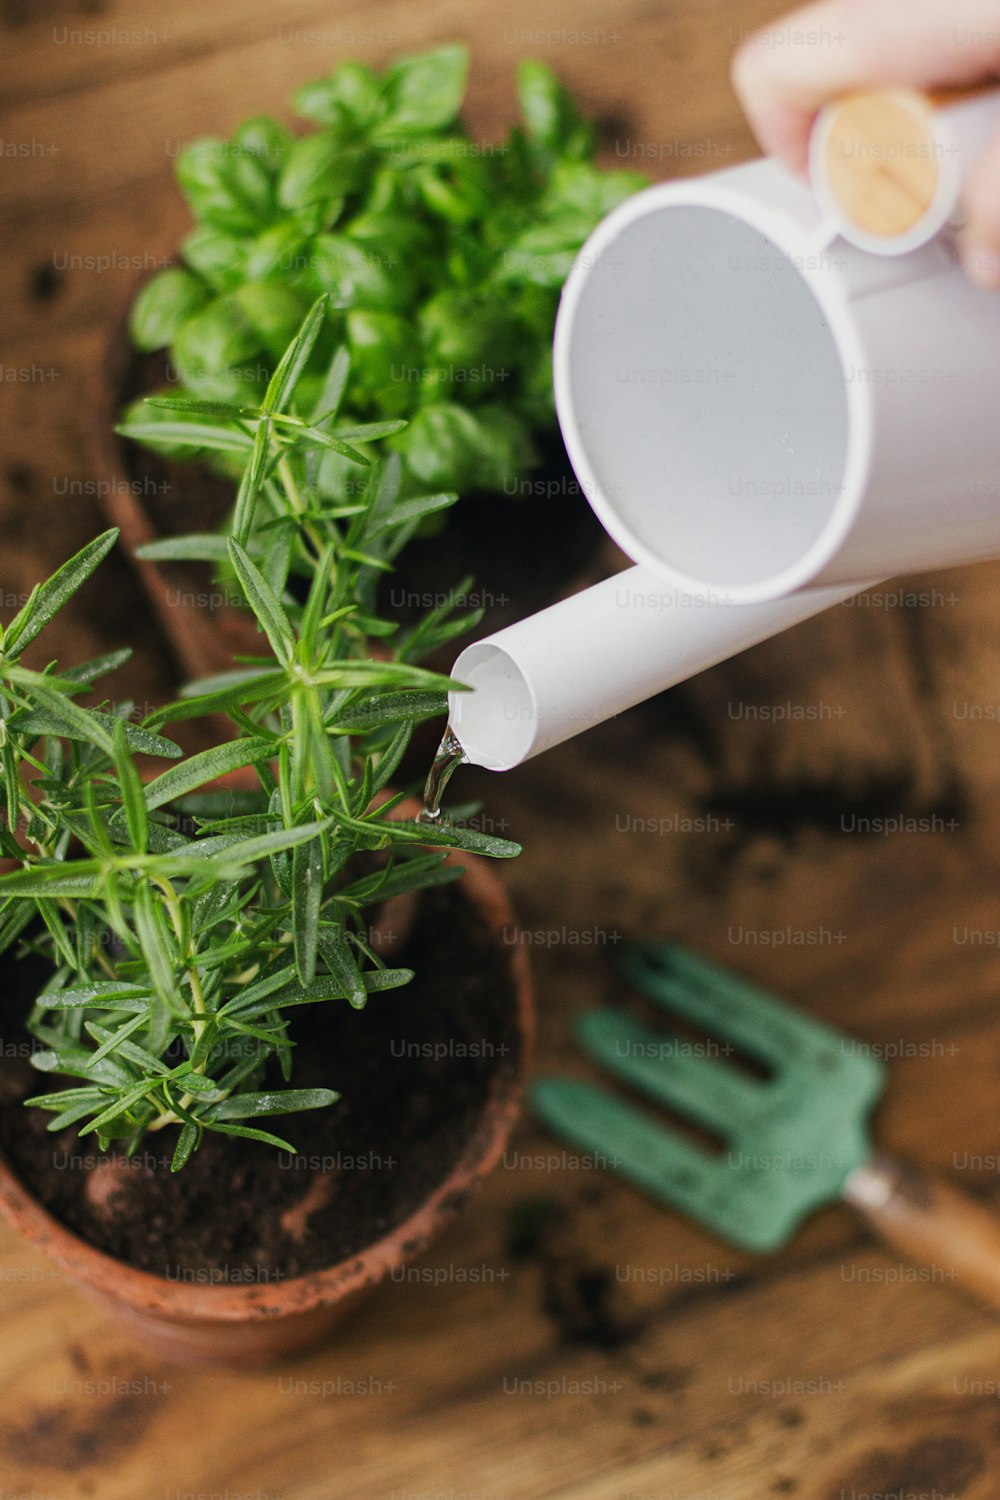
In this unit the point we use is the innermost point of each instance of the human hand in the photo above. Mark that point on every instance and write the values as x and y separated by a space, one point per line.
786 71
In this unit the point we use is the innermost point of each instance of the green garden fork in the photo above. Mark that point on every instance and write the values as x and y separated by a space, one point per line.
793 1140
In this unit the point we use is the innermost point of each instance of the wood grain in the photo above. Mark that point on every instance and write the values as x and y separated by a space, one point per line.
579 1343
879 162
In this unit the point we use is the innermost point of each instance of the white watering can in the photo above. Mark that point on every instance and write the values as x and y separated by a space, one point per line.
772 397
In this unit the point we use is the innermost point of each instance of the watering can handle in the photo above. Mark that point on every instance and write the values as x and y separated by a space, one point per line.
930 1222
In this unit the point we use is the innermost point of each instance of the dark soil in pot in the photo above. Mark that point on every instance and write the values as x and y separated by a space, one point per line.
413 1069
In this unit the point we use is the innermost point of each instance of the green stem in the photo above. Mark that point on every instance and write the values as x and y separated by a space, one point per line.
199 1019
298 506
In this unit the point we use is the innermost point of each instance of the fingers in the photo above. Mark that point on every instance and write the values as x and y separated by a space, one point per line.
785 72
981 235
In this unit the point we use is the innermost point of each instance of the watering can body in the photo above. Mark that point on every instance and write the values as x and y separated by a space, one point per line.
767 419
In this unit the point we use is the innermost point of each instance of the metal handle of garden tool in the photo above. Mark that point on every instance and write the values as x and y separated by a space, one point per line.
930 1222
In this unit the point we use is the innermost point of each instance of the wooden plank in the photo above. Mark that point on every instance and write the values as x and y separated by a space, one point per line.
689 1369
863 928
921 1424
61 50
691 1387
68 156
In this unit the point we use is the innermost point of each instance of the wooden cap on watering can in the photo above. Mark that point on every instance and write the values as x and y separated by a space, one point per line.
885 164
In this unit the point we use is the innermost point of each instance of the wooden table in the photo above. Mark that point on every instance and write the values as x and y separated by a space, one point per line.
570 1339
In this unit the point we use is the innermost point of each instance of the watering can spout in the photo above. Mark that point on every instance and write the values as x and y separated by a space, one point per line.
598 653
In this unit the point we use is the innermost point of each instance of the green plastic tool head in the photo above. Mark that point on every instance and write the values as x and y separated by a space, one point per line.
788 1140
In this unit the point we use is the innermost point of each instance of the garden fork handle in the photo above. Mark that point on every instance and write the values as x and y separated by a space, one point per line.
930 1222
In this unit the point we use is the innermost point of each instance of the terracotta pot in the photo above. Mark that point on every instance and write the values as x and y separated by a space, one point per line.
262 1323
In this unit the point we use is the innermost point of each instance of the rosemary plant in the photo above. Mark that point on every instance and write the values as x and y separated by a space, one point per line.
182 928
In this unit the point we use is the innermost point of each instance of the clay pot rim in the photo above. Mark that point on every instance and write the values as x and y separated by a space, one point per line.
195 1302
